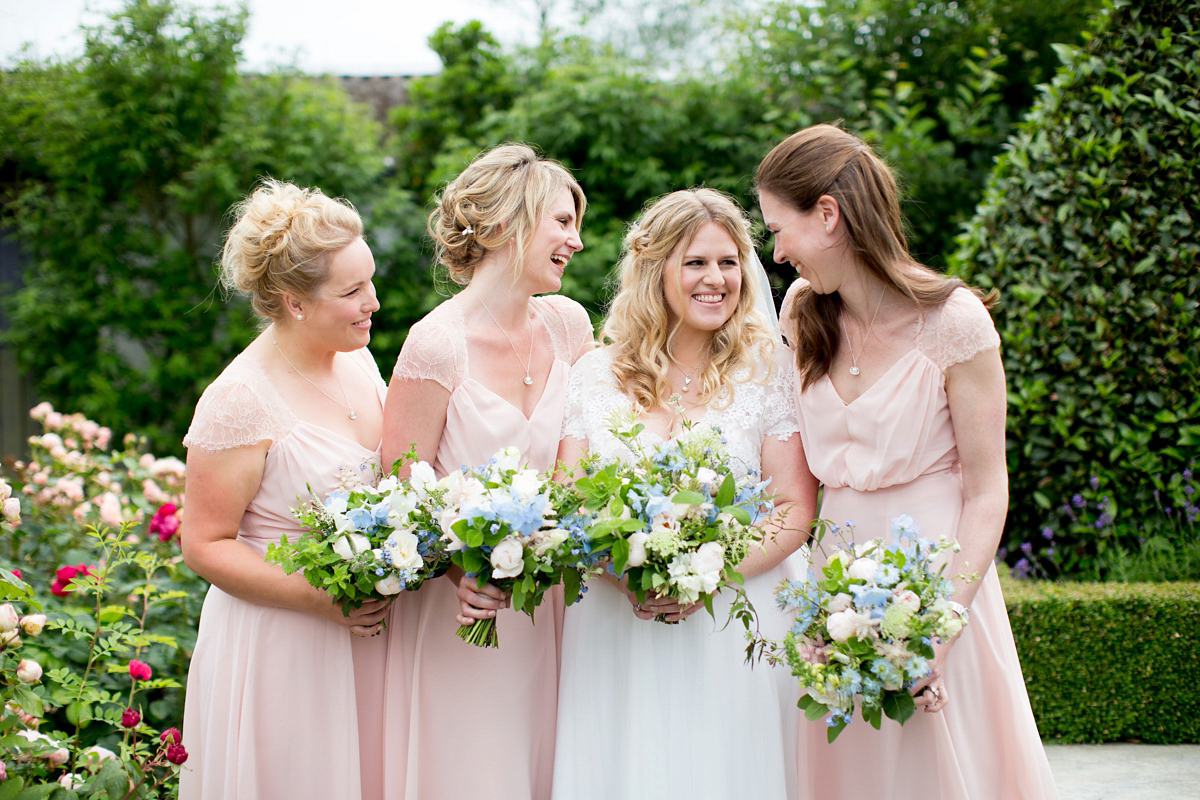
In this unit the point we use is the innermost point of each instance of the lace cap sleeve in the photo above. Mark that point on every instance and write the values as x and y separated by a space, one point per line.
780 415
570 326
432 352
590 373
964 330
235 411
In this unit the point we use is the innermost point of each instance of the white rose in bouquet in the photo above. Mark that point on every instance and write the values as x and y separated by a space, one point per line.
349 545
863 569
421 478
447 519
637 549
400 550
842 556
389 585
708 479
907 597
849 623
508 459
545 540
709 557
839 602
526 483
400 505
508 558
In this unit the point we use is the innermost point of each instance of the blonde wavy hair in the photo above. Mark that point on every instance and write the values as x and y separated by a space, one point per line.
500 197
279 241
638 327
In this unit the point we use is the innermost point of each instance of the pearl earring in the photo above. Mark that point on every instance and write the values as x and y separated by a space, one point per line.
300 317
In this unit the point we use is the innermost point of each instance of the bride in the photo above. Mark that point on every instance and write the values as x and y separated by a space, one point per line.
646 709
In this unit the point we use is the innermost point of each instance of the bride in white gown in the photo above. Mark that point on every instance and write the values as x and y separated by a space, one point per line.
646 709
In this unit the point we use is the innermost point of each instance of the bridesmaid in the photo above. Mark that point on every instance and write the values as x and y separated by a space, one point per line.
271 705
902 407
484 370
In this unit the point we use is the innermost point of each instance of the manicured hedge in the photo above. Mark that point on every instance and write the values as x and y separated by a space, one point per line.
1109 661
1090 230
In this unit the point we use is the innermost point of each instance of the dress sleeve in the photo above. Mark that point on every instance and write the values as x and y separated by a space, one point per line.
780 415
429 354
964 330
577 332
231 413
581 386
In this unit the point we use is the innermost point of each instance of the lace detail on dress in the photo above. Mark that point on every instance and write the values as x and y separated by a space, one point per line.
238 409
958 330
435 349
568 324
758 410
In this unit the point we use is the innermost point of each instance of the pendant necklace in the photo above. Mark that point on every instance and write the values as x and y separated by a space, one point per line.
854 370
687 377
345 405
529 359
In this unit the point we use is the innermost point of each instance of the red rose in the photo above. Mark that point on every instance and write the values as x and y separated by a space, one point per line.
176 753
65 574
171 735
140 670
130 718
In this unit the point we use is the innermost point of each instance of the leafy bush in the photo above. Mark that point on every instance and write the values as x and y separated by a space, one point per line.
1089 229
90 539
1106 662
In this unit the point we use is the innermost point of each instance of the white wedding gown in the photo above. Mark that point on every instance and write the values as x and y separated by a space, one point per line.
657 711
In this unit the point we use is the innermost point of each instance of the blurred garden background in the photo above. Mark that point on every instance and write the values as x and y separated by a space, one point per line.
1048 148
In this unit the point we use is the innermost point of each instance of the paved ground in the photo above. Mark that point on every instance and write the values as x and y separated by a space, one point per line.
1126 771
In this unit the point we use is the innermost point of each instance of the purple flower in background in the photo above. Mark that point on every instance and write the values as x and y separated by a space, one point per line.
1026 548
1077 500
1095 482
1022 568
1048 533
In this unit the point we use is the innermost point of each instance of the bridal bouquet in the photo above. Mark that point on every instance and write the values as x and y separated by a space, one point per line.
864 628
368 542
501 524
673 518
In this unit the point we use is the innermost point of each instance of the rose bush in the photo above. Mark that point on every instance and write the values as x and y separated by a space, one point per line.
98 615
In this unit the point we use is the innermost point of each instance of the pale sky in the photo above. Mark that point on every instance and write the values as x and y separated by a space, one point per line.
362 37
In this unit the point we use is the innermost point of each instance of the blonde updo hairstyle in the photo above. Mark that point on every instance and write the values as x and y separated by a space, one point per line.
280 241
638 327
499 198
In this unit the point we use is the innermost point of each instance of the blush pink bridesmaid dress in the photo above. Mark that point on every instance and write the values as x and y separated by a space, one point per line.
272 701
890 452
482 721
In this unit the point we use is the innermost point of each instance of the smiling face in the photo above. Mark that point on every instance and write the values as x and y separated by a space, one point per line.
703 280
339 313
803 240
554 241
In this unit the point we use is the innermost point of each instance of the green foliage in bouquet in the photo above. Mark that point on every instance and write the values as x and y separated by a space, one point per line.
1089 230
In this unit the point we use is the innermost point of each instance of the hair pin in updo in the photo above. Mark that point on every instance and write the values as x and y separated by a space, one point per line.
468 231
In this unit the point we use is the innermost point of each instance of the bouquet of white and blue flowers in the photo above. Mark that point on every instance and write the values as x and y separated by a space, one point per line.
517 529
865 626
673 518
367 542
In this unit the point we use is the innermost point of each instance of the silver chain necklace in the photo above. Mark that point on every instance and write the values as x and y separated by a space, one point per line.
318 388
687 378
528 359
853 357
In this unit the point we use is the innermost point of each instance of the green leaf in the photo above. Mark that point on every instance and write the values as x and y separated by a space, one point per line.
726 493
898 706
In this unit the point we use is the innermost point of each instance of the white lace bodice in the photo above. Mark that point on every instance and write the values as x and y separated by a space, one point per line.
760 408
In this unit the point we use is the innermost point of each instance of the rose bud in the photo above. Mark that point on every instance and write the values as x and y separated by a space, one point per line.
130 718
9 618
10 638
171 735
140 670
29 671
33 624
176 753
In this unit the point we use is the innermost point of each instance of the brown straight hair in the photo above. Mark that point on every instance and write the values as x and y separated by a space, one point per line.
826 160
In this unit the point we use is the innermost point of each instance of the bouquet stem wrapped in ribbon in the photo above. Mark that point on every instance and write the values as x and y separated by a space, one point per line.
514 528
865 626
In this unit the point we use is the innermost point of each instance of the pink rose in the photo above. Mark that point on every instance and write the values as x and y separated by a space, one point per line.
40 411
110 510
29 671
140 670
12 511
130 718
508 558
9 618
33 624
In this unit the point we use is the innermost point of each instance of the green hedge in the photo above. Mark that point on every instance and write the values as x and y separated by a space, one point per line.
1110 661
1090 230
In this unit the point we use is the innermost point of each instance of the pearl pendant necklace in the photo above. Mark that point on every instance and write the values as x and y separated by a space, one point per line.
854 370
528 380
687 377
